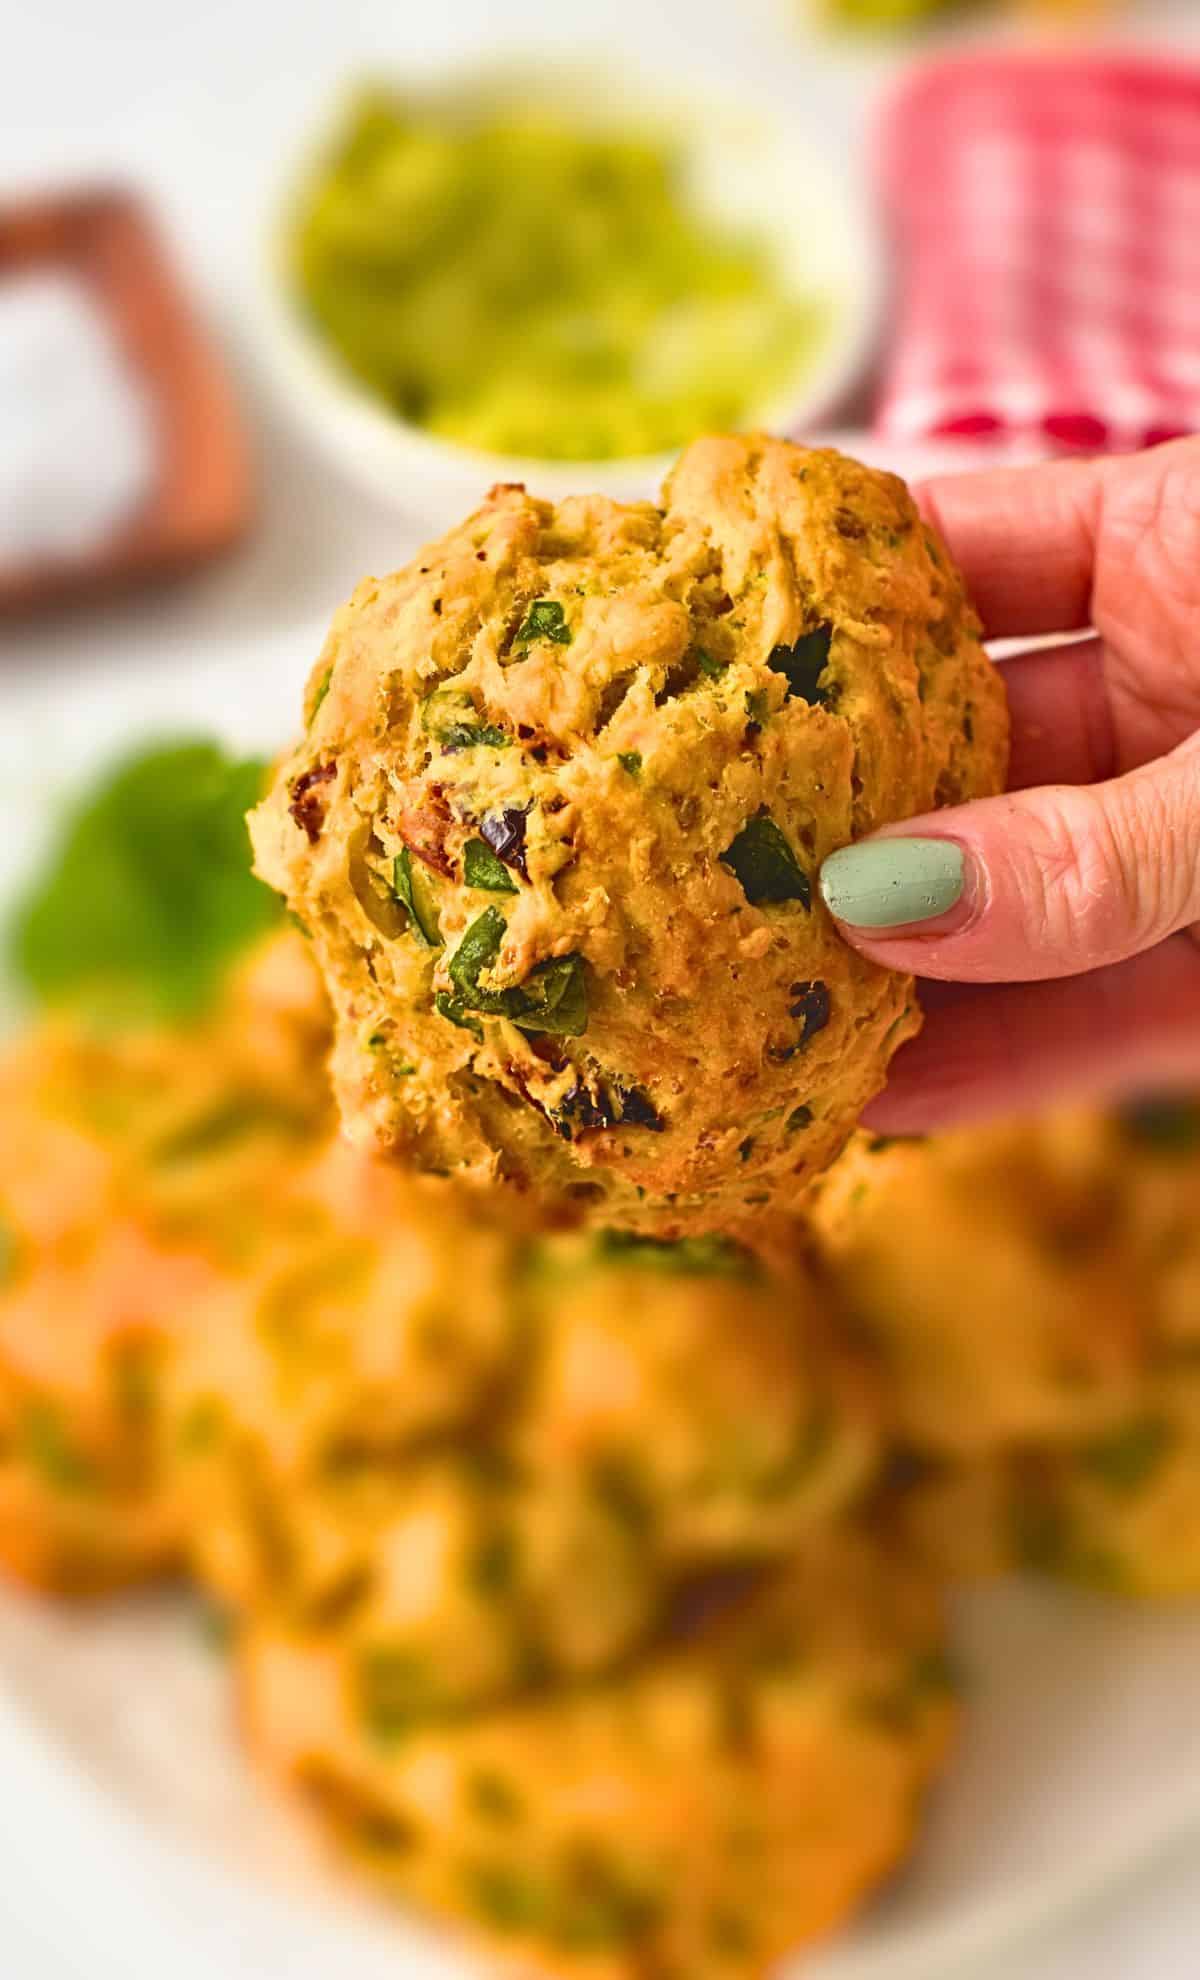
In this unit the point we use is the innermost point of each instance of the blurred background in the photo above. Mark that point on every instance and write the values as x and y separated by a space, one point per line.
282 291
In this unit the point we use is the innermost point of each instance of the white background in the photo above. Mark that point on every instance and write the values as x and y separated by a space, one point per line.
193 104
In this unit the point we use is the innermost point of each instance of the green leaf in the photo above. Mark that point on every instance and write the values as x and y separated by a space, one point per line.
803 663
481 868
553 997
765 864
148 897
545 619
412 888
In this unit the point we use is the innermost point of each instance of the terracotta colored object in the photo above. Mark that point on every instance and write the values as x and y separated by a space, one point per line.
203 499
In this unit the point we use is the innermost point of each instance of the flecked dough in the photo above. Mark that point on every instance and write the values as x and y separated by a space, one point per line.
556 819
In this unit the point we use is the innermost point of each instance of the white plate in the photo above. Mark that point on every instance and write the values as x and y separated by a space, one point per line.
122 1780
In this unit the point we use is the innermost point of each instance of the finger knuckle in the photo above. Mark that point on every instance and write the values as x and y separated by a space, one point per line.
1092 886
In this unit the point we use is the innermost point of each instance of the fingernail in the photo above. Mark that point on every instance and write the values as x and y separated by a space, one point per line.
888 883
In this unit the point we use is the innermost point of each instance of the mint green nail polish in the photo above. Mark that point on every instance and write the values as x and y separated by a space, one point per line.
885 883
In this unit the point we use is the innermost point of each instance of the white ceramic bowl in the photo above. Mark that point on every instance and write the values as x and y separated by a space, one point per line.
747 164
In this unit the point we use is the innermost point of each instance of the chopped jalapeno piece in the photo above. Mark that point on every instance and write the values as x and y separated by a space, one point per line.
631 760
710 666
765 864
452 718
412 889
545 619
803 663
553 997
481 868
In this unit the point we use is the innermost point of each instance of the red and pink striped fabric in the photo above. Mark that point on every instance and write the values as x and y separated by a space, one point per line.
1046 215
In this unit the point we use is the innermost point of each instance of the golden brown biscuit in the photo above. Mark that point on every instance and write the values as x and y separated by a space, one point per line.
729 1799
556 821
990 1274
137 1171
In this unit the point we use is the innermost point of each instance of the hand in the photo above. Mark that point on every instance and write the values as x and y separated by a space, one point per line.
1057 927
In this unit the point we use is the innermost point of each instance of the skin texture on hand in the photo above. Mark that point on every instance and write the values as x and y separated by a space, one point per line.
1067 962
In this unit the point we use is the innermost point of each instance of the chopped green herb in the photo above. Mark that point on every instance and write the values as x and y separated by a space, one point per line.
148 895
44 1441
765 864
231 1120
553 997
481 868
493 1797
412 889
618 1481
758 706
803 663
631 760
492 1569
545 619
709 664
712 1256
319 696
396 1691
451 717
455 1012
800 1117
510 1900
1126 1458
201 1427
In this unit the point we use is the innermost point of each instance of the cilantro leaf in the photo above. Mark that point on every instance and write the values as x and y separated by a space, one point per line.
148 895
803 663
765 864
481 868
553 997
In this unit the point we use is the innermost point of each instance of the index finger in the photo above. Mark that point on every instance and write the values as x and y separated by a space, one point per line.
1025 541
